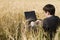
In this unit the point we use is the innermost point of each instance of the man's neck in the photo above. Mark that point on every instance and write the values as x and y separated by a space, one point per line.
49 15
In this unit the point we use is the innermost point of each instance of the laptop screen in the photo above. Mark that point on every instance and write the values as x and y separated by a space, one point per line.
30 15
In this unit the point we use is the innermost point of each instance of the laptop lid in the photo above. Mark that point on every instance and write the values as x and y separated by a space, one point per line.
30 15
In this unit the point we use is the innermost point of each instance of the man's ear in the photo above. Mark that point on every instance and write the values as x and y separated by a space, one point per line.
48 13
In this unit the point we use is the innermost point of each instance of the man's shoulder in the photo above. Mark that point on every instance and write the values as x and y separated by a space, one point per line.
46 19
53 18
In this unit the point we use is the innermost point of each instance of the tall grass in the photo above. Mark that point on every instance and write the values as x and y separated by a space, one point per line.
16 28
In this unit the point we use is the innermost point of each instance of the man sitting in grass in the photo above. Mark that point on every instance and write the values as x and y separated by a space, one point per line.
50 23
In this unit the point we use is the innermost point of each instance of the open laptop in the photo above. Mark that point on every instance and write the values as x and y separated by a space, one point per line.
30 16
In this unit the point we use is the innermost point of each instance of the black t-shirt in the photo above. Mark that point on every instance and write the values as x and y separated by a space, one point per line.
50 24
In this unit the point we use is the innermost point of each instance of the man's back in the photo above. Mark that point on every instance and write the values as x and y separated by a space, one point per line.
50 24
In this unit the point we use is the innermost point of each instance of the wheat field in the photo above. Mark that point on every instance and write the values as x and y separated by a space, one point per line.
13 25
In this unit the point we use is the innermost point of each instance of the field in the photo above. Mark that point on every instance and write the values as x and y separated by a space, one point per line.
12 19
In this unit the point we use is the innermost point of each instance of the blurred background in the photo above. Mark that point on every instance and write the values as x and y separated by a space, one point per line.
20 6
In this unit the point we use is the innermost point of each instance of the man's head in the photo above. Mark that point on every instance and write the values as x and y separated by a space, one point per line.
49 9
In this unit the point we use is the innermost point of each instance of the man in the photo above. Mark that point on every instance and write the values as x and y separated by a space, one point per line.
50 23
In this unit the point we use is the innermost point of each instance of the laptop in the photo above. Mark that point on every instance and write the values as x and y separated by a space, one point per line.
30 16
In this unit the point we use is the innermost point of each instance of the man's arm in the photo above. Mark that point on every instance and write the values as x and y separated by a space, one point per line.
45 24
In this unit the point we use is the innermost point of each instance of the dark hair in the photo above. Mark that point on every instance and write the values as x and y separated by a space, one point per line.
50 8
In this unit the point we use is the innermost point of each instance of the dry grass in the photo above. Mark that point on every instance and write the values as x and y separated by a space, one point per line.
21 31
12 21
